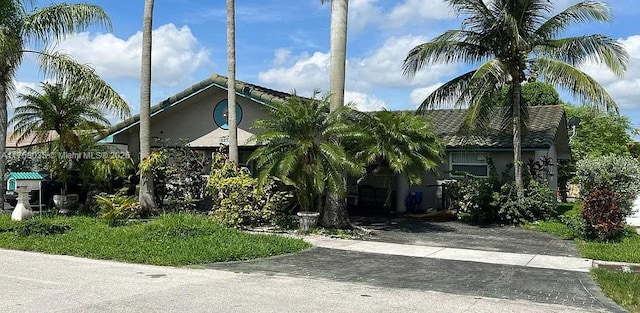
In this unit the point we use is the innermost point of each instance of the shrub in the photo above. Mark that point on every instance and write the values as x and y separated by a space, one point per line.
537 203
618 174
117 209
37 227
472 196
603 217
238 199
486 201
179 183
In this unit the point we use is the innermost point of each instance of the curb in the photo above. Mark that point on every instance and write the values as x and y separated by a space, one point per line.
617 266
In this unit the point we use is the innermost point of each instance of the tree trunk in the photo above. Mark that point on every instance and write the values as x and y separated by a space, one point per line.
231 82
338 53
517 151
3 133
147 202
335 213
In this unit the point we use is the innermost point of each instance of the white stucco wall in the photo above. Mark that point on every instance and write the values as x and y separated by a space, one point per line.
192 120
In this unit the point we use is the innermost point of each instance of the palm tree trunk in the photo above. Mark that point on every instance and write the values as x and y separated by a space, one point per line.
334 214
338 54
147 202
517 144
231 82
3 133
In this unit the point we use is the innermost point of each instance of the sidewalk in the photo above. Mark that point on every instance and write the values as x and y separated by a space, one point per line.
491 257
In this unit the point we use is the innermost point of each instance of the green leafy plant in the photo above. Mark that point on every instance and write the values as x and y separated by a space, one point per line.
302 148
117 209
603 217
617 174
239 200
36 227
537 203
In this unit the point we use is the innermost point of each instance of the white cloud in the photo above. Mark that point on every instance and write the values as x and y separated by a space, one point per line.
367 77
419 94
412 10
384 66
176 54
625 91
364 102
20 87
304 73
363 13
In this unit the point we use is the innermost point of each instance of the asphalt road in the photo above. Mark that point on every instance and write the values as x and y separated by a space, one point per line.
33 282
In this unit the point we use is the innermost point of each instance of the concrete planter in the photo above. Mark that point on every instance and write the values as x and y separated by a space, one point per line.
308 221
22 211
65 203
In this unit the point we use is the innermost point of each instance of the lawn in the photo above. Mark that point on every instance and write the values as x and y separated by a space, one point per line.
623 288
168 240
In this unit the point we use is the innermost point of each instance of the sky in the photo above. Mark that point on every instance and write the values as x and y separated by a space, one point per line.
284 45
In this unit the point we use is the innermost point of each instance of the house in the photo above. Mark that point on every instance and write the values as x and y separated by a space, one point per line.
198 115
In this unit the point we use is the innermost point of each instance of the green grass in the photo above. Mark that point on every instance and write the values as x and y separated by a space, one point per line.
167 240
626 250
620 287
623 288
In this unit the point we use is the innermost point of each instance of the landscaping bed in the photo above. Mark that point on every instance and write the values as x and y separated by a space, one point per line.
179 239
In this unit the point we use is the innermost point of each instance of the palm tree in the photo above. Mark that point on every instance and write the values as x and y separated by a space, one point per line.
401 142
231 82
301 149
146 198
336 211
511 40
57 109
24 23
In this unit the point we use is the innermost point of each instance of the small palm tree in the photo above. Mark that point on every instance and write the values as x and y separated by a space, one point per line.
401 142
513 41
57 109
24 23
302 148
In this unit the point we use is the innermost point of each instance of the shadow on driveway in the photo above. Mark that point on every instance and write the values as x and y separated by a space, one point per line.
454 234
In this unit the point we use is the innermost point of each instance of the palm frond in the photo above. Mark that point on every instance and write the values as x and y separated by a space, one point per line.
578 83
84 80
582 12
450 47
55 21
595 48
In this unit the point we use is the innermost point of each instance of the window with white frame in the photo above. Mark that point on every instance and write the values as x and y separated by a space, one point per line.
474 163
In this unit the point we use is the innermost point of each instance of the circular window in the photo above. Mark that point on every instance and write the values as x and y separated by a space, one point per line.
221 114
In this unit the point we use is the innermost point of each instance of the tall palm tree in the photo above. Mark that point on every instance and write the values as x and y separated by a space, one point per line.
301 149
335 213
511 40
146 198
57 109
231 82
24 23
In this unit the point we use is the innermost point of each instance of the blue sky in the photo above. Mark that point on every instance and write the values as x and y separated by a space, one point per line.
285 46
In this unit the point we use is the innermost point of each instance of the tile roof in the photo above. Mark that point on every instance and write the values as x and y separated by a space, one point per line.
543 124
24 176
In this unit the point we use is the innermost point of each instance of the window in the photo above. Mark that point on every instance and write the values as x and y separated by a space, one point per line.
474 163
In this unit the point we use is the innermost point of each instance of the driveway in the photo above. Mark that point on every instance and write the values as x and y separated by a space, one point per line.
465 236
477 279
